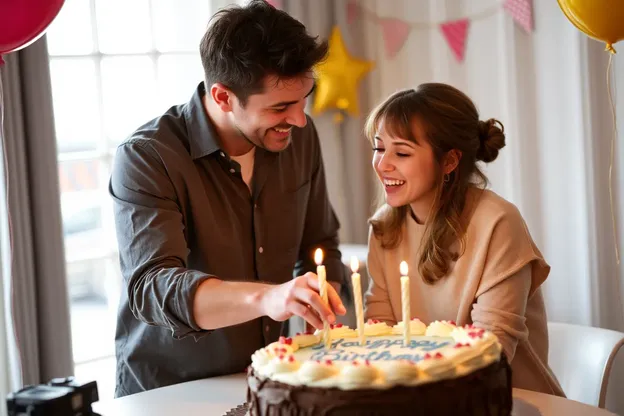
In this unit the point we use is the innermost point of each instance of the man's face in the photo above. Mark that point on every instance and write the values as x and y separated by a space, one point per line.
268 117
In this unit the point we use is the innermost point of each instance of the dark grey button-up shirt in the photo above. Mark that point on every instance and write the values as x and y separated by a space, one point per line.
183 213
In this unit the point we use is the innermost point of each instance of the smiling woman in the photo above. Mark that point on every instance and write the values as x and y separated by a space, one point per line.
473 258
427 143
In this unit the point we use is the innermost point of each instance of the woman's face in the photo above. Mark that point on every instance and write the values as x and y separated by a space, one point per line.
407 170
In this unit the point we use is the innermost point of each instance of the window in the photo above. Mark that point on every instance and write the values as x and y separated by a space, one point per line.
114 65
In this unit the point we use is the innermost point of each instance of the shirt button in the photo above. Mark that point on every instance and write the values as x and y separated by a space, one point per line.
255 206
222 154
260 250
267 328
232 170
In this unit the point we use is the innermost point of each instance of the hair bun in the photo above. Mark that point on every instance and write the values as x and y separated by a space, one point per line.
491 139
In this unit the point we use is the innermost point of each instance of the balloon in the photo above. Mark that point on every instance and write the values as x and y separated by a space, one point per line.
602 20
338 78
22 22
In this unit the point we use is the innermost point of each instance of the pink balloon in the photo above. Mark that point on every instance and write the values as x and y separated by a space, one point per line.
22 22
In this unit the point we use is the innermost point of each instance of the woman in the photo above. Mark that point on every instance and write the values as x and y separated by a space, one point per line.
470 255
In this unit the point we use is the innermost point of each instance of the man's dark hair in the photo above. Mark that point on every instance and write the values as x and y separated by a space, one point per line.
244 44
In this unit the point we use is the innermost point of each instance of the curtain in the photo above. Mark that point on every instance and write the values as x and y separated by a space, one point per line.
346 153
36 309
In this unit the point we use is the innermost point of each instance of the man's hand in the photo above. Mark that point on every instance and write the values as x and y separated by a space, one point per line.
301 297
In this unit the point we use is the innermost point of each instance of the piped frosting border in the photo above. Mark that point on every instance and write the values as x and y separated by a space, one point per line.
472 348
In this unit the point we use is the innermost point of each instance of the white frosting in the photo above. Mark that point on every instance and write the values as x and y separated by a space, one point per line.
277 348
358 373
338 331
417 327
437 365
376 328
316 370
305 340
383 361
440 329
261 357
282 364
401 372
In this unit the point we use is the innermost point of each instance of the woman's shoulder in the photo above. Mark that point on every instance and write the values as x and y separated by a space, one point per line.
499 234
486 207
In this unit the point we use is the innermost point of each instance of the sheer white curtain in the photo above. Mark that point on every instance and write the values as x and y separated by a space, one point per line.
10 371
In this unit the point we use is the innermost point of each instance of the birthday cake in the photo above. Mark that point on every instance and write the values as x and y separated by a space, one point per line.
441 369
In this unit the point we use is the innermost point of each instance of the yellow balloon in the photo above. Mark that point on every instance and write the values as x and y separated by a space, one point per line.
338 78
599 19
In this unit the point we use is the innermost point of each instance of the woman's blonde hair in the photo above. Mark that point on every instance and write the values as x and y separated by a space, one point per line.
450 121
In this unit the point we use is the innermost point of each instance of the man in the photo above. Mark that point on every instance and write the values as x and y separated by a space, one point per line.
216 202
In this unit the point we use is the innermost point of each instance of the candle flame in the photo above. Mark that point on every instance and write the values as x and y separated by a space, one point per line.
318 256
403 268
355 264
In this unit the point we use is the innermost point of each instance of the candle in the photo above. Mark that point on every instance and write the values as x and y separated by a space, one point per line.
357 296
405 302
322 282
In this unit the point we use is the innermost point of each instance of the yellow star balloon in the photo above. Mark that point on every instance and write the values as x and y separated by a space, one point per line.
338 78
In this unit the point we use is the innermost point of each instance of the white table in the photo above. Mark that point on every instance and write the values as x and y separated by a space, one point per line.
215 396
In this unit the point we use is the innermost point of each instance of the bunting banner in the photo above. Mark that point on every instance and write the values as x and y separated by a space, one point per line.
456 33
395 31
522 13
352 12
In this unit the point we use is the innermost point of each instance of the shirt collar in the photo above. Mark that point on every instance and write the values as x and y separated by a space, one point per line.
202 135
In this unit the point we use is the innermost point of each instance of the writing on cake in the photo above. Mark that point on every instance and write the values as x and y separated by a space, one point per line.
384 349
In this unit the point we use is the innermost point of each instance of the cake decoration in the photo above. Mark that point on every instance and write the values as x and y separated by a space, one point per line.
417 327
384 352
382 364
440 329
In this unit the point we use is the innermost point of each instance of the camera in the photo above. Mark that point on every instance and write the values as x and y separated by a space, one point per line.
59 397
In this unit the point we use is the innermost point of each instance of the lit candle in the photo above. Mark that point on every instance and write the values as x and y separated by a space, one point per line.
357 296
322 282
405 302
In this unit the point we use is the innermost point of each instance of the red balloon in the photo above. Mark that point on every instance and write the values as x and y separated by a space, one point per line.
24 21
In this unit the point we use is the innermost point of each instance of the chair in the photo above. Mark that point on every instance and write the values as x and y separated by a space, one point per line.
581 357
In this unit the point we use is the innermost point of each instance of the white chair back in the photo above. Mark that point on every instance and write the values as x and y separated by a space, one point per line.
581 357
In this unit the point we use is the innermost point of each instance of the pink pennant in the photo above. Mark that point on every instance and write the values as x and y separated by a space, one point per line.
395 33
522 13
456 33
278 4
353 11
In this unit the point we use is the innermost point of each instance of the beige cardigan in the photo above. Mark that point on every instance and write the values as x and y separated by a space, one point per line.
495 284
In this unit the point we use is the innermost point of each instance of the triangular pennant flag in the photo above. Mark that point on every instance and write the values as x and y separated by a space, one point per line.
275 3
456 33
522 13
395 33
353 11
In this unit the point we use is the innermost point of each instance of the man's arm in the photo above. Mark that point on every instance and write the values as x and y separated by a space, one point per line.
219 303
321 224
153 253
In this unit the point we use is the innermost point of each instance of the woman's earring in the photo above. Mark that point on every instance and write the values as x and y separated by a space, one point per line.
447 177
